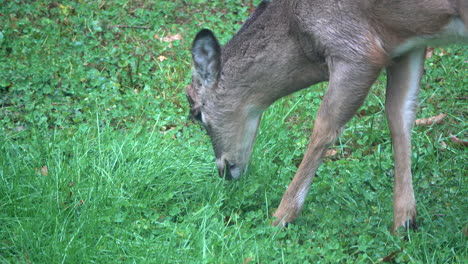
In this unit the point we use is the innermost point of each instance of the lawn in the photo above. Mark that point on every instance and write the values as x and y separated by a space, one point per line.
99 162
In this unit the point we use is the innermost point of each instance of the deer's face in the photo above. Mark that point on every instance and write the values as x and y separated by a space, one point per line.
231 123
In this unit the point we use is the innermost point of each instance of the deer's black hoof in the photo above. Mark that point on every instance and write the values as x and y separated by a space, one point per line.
411 225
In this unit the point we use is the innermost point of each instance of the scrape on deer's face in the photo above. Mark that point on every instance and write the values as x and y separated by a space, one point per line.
231 125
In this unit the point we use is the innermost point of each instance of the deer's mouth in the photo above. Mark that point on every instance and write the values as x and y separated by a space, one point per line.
228 170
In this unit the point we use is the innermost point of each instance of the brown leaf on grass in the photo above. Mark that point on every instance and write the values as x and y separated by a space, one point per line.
392 256
458 141
331 153
251 7
44 170
167 130
170 38
162 58
430 120
429 52
443 146
247 260
442 52
362 113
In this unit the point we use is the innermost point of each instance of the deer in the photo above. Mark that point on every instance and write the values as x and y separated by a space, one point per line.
288 45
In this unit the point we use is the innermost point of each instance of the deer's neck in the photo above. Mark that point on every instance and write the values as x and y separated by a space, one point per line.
265 61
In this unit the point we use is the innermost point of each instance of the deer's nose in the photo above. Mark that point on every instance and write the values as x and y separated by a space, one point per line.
234 171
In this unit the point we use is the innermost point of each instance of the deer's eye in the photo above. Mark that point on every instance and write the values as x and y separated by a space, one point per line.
198 116
195 113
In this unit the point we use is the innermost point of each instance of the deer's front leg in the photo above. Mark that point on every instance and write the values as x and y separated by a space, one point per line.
348 87
402 91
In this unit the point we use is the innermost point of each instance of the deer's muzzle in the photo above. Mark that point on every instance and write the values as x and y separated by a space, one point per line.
228 170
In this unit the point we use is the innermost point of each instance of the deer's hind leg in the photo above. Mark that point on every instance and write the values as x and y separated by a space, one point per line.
403 77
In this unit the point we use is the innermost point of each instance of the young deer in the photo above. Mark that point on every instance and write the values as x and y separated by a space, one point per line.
288 45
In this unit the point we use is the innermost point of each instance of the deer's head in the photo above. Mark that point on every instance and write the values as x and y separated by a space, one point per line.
231 122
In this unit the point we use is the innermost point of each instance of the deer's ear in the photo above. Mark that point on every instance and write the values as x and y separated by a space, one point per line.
206 54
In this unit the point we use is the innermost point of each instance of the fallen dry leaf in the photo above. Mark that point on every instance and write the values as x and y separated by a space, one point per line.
392 256
362 113
44 171
247 260
162 58
458 141
170 38
251 7
443 146
331 153
429 52
442 52
167 130
430 120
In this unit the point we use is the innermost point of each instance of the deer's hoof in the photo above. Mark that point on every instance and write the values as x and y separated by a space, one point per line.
406 226
411 224
277 222
281 219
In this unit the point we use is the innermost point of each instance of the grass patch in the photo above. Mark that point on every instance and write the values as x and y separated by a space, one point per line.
99 163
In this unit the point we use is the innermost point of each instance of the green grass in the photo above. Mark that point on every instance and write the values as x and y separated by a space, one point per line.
131 180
